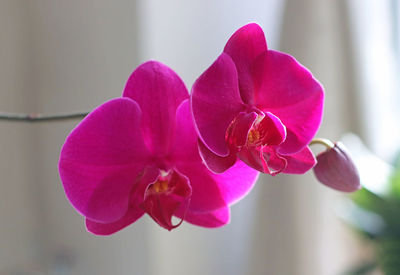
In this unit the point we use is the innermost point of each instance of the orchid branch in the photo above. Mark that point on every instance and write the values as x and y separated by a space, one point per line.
35 117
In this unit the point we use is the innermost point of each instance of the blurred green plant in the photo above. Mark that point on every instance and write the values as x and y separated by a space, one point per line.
376 216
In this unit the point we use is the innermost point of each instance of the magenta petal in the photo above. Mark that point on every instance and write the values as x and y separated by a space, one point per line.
335 169
213 219
215 102
288 90
239 128
253 158
165 196
213 191
300 162
272 130
273 163
101 159
206 196
104 229
159 91
243 47
236 182
184 145
264 159
236 137
214 162
134 212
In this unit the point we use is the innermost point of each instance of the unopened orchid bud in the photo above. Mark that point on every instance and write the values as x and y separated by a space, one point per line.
336 169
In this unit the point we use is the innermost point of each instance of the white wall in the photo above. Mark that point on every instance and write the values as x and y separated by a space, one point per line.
17 200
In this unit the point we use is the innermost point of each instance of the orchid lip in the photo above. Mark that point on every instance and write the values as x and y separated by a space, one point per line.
255 130
163 197
254 135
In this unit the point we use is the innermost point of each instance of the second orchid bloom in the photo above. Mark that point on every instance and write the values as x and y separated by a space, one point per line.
257 105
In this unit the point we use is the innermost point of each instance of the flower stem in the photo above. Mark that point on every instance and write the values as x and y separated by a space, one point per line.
33 117
323 141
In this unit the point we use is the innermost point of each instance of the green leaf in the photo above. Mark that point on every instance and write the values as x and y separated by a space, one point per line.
395 182
389 255
388 208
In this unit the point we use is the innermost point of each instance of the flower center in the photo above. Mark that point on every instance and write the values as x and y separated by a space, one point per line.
166 196
160 186
253 137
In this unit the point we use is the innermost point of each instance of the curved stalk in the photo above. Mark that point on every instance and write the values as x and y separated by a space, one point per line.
323 141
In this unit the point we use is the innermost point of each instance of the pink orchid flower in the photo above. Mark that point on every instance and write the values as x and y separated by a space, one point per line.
258 105
138 154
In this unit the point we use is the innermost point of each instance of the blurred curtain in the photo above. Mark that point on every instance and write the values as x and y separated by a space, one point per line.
375 38
18 213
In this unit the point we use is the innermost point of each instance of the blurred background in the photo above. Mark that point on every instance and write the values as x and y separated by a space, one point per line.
61 56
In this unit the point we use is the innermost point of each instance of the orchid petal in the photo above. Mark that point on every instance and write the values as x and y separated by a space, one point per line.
288 90
213 191
213 219
105 229
264 159
253 158
159 91
134 212
236 182
297 163
273 163
239 129
98 165
243 47
272 130
236 137
214 162
300 162
206 196
184 145
215 102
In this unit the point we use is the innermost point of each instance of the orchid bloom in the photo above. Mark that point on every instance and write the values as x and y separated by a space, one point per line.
258 105
138 154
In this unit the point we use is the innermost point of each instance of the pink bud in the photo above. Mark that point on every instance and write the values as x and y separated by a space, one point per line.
335 169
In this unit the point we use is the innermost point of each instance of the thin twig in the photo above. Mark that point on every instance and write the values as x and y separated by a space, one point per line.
33 117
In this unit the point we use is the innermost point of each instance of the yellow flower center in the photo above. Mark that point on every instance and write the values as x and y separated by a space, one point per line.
253 137
160 186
